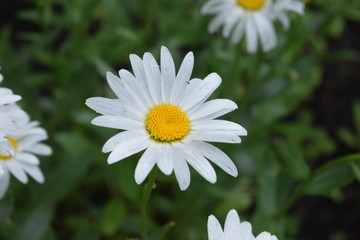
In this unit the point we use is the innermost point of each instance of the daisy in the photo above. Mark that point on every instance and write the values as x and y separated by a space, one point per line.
253 18
26 143
166 115
234 229
6 97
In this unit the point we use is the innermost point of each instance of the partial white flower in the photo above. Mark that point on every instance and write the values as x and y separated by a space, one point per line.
166 114
6 95
234 229
26 143
281 8
6 124
252 18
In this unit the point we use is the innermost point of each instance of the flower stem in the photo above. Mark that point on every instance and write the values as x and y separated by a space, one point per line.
148 187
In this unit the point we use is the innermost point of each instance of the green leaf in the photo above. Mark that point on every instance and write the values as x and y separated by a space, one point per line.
347 137
333 175
35 224
293 159
356 112
160 233
113 215
356 170
331 179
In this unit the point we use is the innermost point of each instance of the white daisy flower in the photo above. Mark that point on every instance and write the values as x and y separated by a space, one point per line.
234 229
6 124
253 18
26 143
166 114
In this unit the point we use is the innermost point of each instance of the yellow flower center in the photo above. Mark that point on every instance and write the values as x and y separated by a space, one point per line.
15 145
166 123
251 4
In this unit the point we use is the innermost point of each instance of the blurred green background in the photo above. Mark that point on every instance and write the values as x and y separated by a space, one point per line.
300 104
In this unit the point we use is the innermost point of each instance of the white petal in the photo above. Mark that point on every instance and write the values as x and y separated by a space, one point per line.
239 31
218 9
198 95
4 182
34 172
136 88
36 132
232 228
27 158
138 68
216 136
246 231
214 229
217 156
182 79
40 149
167 73
16 170
27 141
116 86
219 20
199 163
283 18
153 77
9 99
125 93
219 125
145 164
209 5
108 106
251 36
182 171
266 32
164 159
212 109
125 151
14 112
265 236
117 122
124 139
295 6
8 127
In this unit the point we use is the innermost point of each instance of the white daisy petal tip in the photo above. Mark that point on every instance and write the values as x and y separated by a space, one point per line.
214 77
160 120
234 229
164 49
266 236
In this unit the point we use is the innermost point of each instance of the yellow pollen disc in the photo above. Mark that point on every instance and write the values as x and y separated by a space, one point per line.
15 145
251 4
167 123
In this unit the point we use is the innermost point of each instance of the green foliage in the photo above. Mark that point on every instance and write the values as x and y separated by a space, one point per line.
55 53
